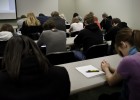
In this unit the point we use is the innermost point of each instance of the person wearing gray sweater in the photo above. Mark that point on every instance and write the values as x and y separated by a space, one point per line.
54 39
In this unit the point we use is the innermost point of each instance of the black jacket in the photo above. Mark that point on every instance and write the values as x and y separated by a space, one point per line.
89 36
35 85
59 23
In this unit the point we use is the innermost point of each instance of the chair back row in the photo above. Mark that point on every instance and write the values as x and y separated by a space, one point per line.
96 51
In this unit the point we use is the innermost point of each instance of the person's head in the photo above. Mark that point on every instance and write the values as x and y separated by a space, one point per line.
7 27
75 15
104 15
95 18
49 24
62 16
22 47
91 13
23 16
126 39
88 19
32 20
122 25
115 21
76 20
41 14
55 14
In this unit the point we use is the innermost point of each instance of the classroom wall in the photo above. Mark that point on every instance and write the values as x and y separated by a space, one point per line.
126 10
36 6
67 7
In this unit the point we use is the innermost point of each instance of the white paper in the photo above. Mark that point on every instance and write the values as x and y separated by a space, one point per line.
84 69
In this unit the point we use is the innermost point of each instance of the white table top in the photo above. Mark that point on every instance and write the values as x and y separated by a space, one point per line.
79 82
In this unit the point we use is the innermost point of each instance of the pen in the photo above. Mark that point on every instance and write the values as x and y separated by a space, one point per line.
92 70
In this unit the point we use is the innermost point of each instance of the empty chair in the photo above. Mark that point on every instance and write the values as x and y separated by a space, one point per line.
95 51
61 57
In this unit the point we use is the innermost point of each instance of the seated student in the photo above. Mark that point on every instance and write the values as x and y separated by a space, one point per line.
95 19
127 45
90 35
106 23
112 34
76 25
59 22
28 75
20 21
31 27
6 32
54 39
42 18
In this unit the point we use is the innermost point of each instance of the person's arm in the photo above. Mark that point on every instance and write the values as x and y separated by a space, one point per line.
40 41
112 78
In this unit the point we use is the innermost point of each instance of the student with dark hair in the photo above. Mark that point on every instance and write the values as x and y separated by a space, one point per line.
7 28
28 75
90 35
6 32
112 34
59 22
42 18
127 44
54 39
106 23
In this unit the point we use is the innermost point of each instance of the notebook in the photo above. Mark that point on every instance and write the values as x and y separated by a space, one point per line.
84 70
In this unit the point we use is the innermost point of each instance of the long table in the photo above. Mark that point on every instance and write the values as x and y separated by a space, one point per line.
81 83
70 41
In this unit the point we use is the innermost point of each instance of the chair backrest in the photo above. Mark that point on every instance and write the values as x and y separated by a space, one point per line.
73 34
61 57
96 51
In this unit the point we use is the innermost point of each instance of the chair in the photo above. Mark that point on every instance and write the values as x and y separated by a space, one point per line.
61 57
73 34
96 51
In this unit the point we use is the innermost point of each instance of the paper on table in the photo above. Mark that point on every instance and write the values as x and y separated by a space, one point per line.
84 69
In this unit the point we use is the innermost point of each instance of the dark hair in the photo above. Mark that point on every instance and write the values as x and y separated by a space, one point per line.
127 35
22 47
54 14
122 25
23 16
7 27
75 15
49 24
89 19
116 20
41 14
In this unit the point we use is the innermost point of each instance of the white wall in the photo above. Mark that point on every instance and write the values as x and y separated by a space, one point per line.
36 6
67 7
126 10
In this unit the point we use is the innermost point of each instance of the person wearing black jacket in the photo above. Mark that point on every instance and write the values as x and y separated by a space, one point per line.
28 75
90 35
111 35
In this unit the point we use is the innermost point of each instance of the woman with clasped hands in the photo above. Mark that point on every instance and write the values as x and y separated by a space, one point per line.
127 44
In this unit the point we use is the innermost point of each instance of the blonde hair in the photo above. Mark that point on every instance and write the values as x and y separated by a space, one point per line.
32 20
